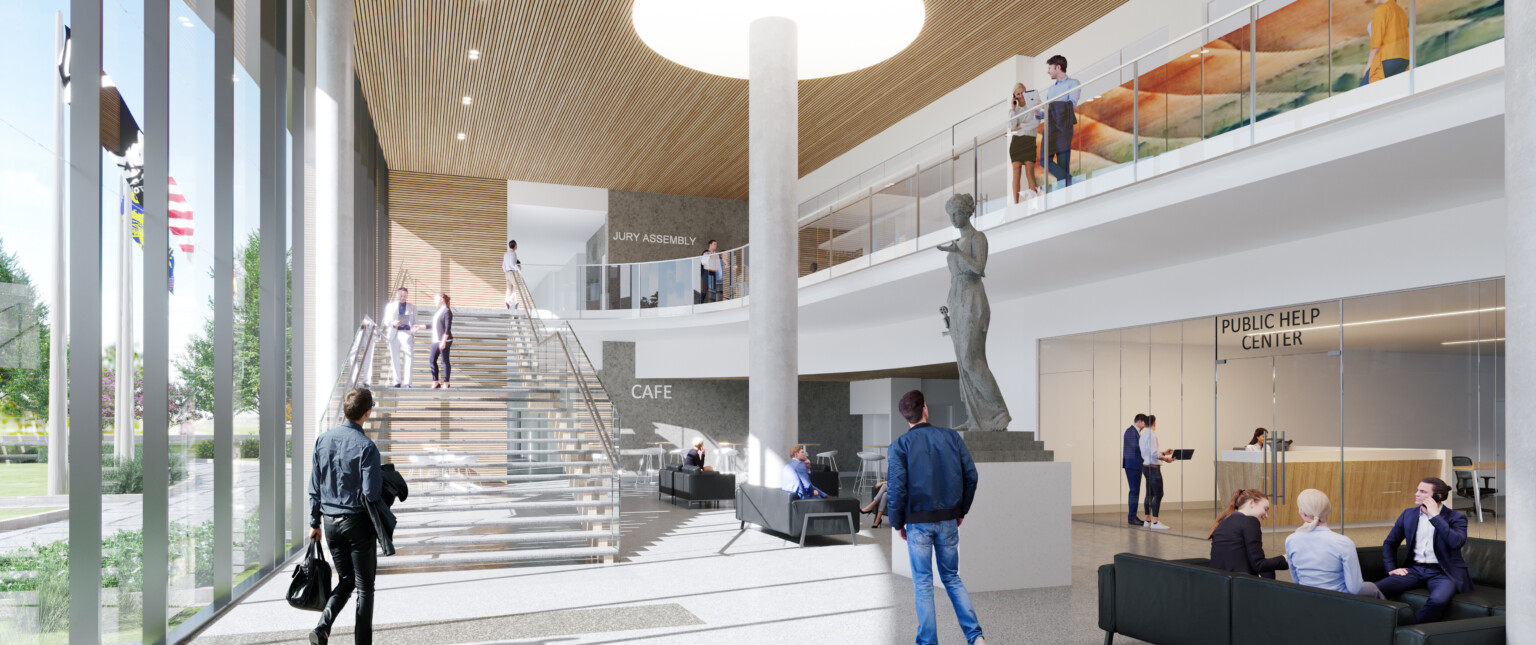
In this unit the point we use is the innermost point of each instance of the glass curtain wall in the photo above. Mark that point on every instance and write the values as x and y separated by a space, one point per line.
1359 398
76 167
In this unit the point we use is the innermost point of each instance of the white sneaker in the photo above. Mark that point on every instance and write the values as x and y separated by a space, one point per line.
1158 526
1146 524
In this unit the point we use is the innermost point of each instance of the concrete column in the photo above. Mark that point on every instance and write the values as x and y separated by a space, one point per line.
773 162
334 260
1520 317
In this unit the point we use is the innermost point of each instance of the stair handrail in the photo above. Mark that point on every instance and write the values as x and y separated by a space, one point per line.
542 336
353 372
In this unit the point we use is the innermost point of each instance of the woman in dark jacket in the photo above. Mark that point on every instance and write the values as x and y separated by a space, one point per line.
1237 540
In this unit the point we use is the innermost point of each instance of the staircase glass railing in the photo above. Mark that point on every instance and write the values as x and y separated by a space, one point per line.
1256 71
352 373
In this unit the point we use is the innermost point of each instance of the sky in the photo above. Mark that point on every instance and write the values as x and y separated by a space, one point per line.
28 159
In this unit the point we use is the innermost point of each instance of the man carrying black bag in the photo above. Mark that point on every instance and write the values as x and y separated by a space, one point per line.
346 469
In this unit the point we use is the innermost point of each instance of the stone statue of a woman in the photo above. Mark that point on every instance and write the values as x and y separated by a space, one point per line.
970 316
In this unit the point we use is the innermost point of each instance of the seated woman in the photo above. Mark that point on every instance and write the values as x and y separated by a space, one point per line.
1321 558
695 456
1237 539
876 504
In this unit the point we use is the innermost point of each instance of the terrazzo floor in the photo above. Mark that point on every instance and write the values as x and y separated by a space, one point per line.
692 576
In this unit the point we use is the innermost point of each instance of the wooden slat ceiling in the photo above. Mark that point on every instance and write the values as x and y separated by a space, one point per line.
566 93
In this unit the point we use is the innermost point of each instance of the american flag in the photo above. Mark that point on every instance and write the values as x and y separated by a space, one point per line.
180 220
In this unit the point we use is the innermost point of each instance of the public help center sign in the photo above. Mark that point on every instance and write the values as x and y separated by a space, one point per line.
1303 329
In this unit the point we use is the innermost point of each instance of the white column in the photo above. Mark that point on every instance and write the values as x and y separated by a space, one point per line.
1520 319
773 162
334 261
58 301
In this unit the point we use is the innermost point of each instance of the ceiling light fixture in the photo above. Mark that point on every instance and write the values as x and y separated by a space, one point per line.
1384 320
461 136
468 100
1469 342
1194 55
832 37
474 54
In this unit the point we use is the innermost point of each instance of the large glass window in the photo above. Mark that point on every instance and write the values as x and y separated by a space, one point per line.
34 574
1360 398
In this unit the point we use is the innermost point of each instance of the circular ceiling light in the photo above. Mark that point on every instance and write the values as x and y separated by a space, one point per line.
834 37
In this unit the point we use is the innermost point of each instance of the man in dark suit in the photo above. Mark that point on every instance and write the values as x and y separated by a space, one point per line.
1435 533
1131 461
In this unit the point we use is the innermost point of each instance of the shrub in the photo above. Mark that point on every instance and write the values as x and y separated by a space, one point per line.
203 449
126 477
250 448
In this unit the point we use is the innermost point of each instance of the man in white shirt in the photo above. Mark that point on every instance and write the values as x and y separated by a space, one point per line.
510 263
400 330
1435 534
709 274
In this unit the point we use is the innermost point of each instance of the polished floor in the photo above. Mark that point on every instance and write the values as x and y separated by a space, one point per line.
692 576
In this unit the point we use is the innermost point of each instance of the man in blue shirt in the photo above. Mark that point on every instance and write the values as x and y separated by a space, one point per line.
1060 118
346 467
1130 459
796 476
930 484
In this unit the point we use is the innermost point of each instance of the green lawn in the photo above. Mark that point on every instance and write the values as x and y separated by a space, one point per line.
23 480
7 513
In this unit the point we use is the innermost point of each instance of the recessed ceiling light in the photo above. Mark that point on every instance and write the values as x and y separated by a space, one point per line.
1471 342
1194 55
468 100
1205 51
461 136
474 54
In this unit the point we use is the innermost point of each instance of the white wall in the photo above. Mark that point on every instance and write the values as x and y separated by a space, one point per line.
959 104
552 222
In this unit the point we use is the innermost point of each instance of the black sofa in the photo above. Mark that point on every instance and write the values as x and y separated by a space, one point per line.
695 485
825 479
773 509
1180 602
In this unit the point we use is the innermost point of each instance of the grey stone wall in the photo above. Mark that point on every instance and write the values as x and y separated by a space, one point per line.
644 227
717 410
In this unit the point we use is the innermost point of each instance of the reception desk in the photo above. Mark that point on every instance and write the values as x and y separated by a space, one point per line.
1378 482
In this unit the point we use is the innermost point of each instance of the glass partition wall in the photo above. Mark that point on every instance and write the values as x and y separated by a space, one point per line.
1360 398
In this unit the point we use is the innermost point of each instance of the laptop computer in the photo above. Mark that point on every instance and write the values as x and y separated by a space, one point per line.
1184 453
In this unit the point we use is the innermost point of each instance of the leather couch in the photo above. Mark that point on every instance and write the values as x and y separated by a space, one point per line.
695 485
1172 602
775 510
825 479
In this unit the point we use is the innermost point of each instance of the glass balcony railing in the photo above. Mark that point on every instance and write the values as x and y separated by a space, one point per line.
1257 71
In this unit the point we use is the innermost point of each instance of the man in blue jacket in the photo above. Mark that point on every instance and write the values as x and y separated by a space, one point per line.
930 484
346 468
1130 459
1435 534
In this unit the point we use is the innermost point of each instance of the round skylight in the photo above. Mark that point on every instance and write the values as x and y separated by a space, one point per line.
834 36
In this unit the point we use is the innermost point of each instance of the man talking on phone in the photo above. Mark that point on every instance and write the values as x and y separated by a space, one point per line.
1435 533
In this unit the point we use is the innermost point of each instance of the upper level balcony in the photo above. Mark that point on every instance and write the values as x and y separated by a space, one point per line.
1265 73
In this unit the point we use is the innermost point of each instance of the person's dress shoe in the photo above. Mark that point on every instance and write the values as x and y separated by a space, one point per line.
1135 522
318 637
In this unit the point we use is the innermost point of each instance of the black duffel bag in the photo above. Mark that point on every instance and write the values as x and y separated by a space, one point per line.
311 586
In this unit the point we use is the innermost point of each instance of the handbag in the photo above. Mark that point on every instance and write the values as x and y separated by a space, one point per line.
311 586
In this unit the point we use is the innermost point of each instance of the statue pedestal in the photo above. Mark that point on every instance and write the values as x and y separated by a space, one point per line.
1018 534
995 447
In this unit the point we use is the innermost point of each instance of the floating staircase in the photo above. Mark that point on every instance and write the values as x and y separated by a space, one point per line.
514 463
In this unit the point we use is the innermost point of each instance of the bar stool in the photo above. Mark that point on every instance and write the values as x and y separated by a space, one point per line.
656 452
726 460
829 458
675 456
869 472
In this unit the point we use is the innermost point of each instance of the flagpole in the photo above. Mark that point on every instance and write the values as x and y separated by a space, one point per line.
58 419
122 430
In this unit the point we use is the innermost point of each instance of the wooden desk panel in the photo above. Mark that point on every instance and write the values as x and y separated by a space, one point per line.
1374 491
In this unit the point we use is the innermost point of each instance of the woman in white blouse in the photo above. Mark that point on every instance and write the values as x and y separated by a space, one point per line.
442 339
1256 444
1318 556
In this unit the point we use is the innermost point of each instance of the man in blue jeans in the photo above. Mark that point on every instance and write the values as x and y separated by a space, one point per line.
930 484
1131 461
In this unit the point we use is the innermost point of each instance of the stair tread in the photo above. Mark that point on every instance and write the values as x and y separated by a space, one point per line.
499 556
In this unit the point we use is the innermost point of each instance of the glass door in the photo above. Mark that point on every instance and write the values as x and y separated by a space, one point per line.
1279 371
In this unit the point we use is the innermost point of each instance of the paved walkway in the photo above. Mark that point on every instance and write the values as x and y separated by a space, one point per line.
191 504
